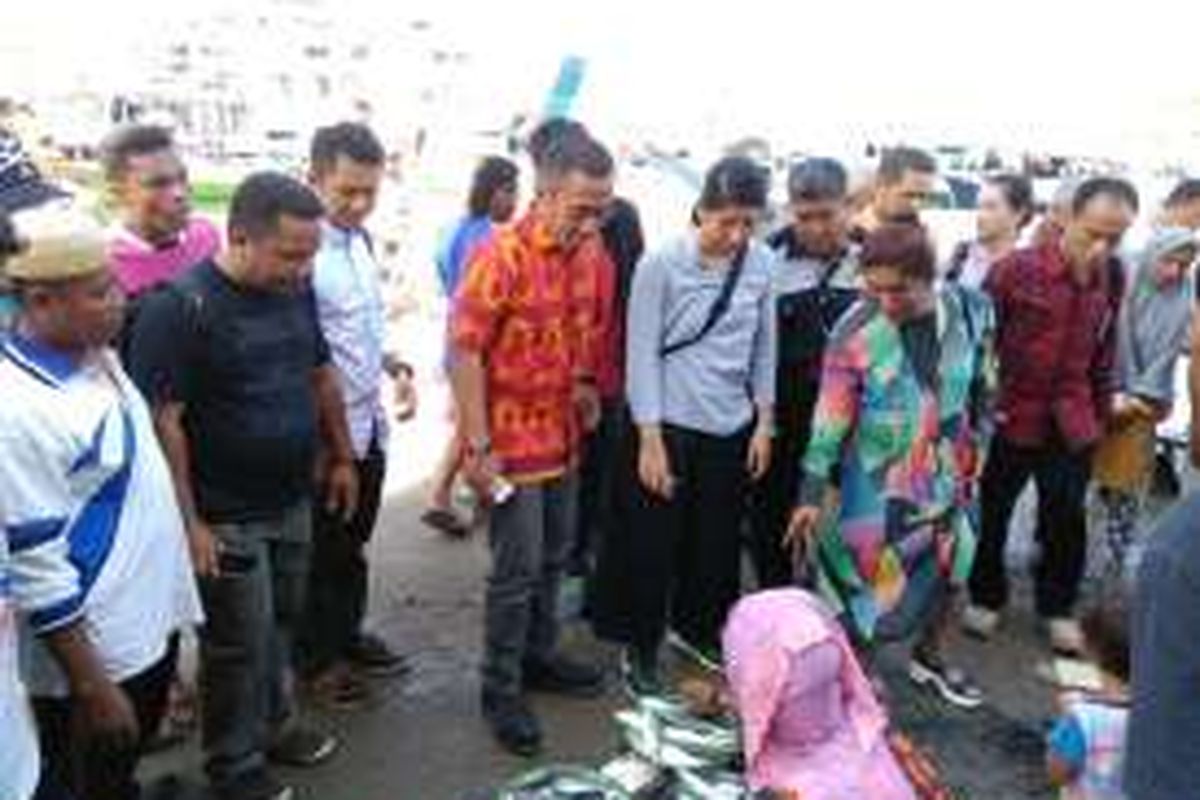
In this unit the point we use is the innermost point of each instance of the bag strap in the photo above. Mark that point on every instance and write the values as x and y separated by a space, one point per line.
832 268
188 289
958 259
964 304
718 309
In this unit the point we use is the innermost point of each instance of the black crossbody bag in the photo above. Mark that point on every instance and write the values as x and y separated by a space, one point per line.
719 307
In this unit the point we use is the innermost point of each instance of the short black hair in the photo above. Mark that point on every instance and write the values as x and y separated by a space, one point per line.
263 198
896 161
734 181
1105 625
1116 188
817 180
571 153
493 174
353 140
1018 193
550 132
130 141
1186 191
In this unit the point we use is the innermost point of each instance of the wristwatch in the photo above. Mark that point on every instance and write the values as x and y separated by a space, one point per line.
480 446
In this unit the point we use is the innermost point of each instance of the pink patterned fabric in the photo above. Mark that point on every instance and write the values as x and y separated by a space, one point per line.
810 721
139 266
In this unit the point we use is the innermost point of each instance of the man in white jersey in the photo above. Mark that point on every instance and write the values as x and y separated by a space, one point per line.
94 538
19 755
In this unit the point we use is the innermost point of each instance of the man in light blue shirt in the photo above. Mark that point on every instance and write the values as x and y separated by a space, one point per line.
347 162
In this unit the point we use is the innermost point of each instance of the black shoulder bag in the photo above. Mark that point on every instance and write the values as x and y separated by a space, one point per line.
719 307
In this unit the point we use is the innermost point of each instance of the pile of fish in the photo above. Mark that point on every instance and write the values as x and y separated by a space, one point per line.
671 754
698 755
564 783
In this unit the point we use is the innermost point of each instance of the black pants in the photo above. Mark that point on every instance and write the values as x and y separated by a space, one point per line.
771 502
1061 477
336 600
71 766
678 562
596 491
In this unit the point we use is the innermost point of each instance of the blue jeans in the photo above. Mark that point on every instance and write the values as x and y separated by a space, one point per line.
252 607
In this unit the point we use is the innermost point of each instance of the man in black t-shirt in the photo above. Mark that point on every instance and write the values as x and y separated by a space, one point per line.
248 408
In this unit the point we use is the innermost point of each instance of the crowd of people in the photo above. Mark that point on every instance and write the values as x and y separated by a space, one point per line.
193 436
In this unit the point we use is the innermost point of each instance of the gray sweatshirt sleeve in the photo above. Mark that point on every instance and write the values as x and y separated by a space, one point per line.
644 333
766 343
1165 335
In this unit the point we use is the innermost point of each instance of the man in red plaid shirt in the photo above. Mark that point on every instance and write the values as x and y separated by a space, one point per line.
1056 311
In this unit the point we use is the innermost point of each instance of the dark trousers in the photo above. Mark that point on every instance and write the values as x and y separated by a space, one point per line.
771 502
252 609
336 600
683 553
596 487
530 538
72 767
1061 476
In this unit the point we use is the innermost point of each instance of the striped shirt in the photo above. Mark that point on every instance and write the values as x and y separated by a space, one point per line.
88 511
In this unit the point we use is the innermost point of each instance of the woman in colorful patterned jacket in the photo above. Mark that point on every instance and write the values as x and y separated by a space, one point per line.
898 434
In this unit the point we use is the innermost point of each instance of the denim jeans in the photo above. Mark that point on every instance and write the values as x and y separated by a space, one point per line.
530 537
252 607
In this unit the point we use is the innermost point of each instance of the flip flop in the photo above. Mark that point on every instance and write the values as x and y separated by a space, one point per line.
446 521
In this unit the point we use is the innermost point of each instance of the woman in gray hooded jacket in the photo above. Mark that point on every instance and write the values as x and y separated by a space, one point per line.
1152 330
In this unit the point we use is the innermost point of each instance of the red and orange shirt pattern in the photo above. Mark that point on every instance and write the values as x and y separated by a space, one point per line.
534 311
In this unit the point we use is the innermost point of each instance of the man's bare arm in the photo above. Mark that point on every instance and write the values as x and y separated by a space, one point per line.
341 475
469 382
168 422
107 713
331 410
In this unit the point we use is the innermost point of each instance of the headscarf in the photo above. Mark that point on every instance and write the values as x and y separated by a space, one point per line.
763 635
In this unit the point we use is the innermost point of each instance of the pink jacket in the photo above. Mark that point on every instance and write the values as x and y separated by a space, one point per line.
810 720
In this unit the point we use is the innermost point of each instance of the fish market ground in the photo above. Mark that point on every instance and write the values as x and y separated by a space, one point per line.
424 740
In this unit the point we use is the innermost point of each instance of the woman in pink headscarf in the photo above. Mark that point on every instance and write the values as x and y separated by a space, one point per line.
810 721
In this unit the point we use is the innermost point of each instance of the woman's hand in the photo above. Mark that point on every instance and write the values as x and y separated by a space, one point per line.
802 528
654 467
758 456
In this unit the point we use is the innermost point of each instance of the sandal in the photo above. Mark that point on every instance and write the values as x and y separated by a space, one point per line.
337 689
446 521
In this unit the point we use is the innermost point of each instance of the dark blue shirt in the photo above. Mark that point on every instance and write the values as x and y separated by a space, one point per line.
241 362
1163 750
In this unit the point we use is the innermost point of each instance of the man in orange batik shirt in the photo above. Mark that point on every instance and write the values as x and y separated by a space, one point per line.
528 326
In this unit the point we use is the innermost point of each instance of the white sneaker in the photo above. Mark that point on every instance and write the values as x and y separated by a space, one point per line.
1066 638
980 622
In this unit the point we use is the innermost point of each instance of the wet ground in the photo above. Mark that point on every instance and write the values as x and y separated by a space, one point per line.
423 738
